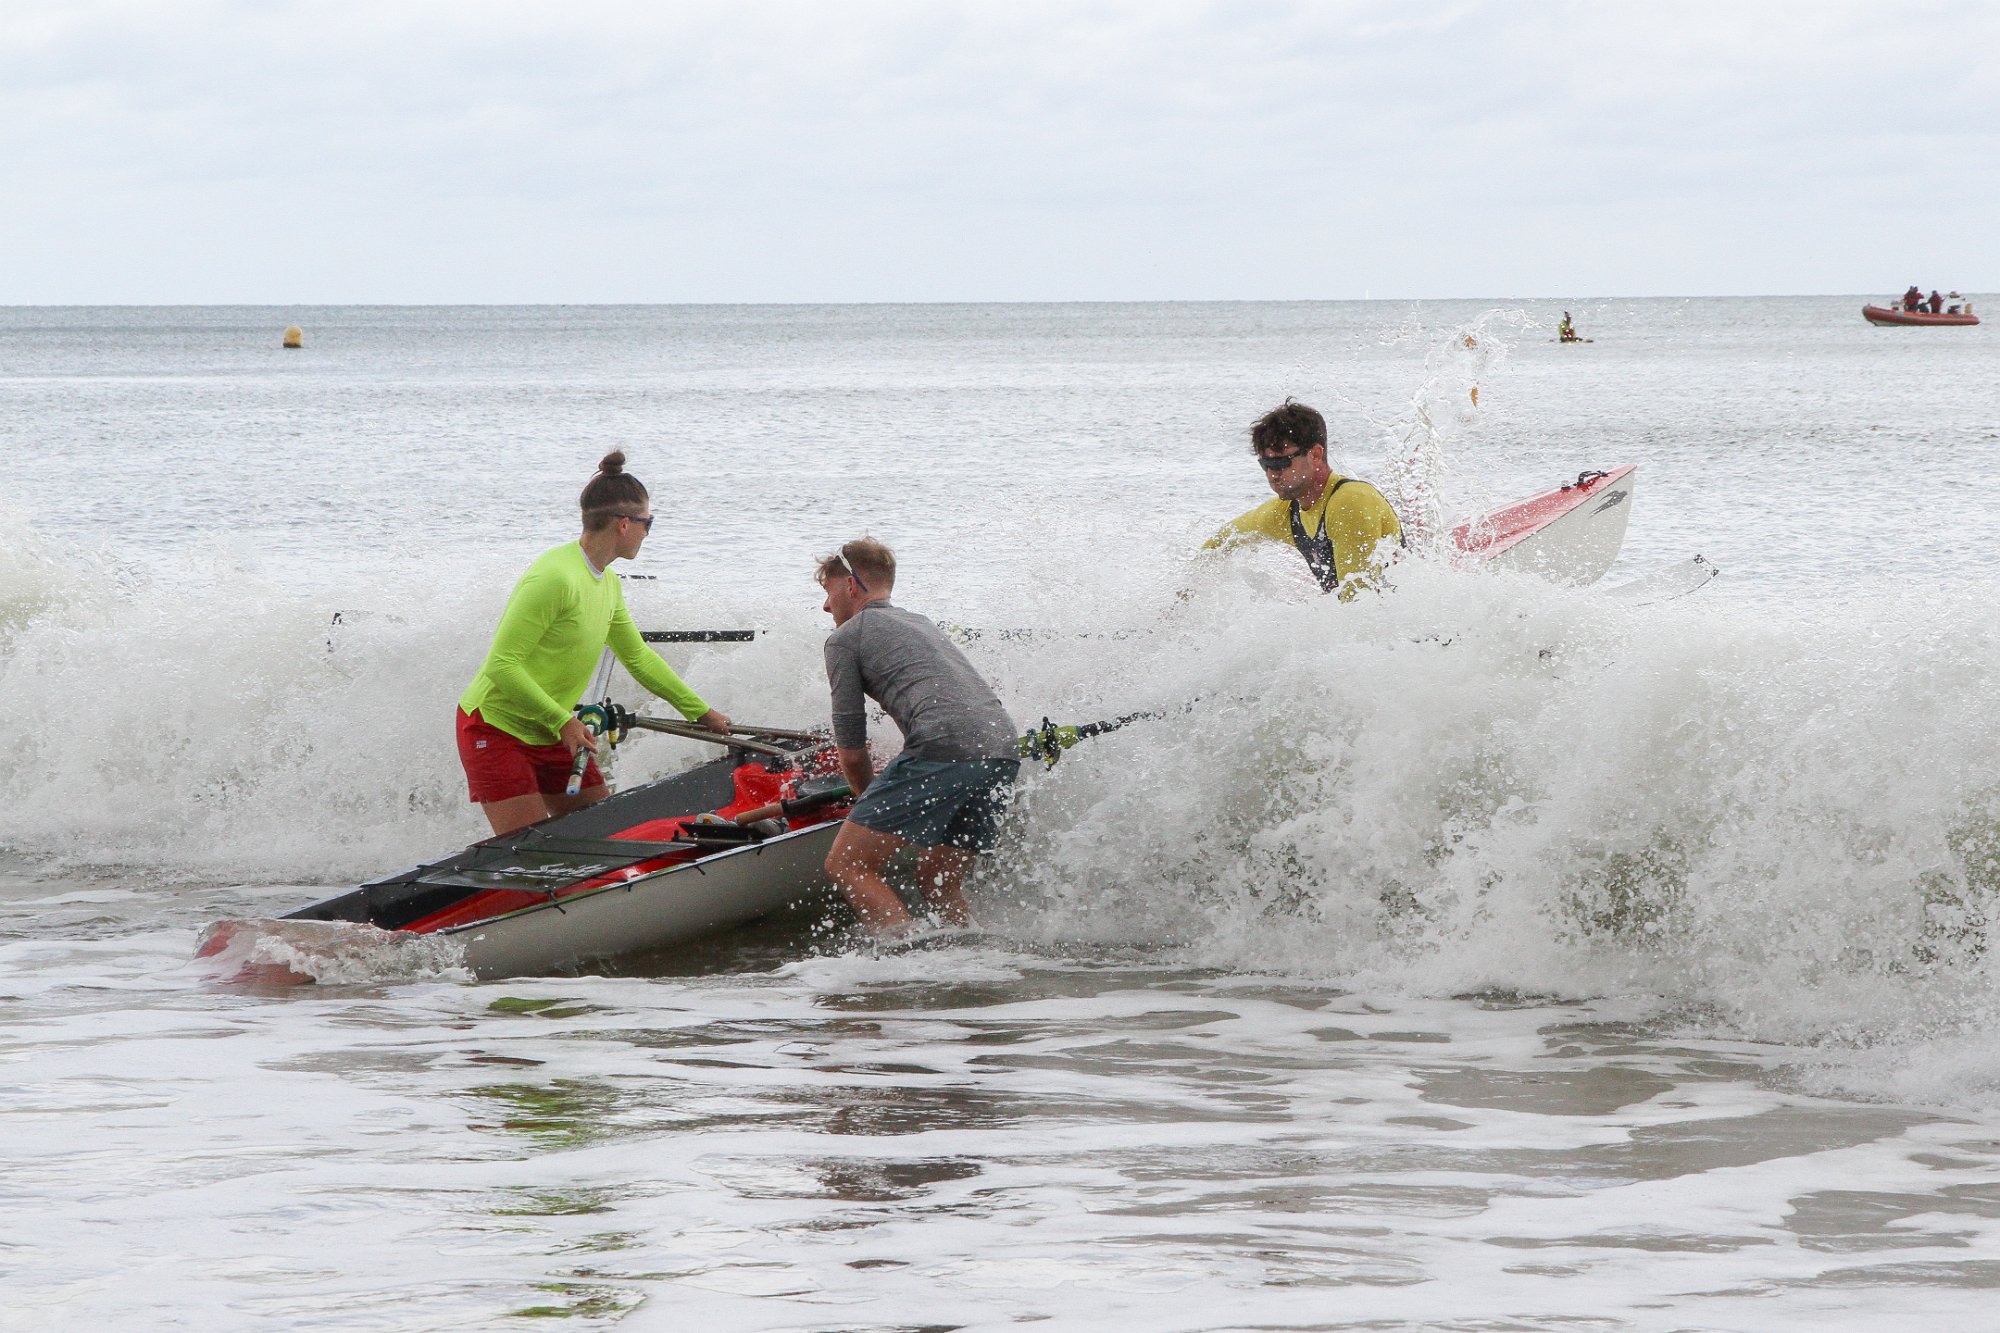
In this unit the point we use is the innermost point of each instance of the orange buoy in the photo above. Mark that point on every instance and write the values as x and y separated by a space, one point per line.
295 336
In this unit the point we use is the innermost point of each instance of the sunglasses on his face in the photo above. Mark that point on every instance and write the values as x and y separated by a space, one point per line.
1279 462
645 522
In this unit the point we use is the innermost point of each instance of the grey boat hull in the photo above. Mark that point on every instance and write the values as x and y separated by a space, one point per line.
587 888
670 907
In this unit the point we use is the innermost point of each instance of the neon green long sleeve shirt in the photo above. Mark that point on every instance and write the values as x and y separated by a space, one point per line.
558 620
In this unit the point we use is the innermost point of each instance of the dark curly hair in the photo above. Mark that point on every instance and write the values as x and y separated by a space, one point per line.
1290 425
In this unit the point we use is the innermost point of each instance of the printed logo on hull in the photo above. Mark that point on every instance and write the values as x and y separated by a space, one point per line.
1611 501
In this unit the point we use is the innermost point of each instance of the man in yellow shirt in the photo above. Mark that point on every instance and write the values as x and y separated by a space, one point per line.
1341 525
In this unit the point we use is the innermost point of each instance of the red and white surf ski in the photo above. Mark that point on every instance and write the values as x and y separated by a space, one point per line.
1568 535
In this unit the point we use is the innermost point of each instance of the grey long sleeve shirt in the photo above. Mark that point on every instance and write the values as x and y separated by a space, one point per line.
905 663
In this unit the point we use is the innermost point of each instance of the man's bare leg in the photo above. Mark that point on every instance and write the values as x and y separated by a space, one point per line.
856 862
941 875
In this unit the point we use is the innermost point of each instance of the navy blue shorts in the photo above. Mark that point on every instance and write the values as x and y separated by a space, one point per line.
939 802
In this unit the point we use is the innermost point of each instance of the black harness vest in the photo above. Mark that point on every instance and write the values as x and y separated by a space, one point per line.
1318 550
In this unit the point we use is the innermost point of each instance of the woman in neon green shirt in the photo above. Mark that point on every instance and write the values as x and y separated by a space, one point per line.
517 731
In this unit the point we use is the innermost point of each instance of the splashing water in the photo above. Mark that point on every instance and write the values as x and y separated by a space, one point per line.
1443 416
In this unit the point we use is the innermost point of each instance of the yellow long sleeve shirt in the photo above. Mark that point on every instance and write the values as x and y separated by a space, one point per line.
558 621
1341 534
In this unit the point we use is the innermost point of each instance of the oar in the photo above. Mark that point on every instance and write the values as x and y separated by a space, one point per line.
578 762
1048 741
734 738
698 635
581 759
615 720
961 632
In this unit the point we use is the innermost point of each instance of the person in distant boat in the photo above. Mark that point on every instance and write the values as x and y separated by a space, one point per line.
1566 331
1341 525
1913 299
945 792
1937 303
517 732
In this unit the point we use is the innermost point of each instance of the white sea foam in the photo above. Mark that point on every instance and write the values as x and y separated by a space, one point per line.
1474 782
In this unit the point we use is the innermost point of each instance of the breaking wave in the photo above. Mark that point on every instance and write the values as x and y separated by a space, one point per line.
1787 820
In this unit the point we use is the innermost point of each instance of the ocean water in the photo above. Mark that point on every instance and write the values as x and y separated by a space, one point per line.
1487 955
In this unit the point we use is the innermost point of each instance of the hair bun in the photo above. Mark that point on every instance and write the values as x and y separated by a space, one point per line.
613 463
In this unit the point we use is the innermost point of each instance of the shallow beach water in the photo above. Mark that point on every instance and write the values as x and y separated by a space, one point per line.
1489 956
953 1139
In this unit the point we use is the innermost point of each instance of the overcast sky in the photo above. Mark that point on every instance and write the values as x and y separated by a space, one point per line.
293 151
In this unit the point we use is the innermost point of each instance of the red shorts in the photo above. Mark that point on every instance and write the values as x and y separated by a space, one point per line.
499 766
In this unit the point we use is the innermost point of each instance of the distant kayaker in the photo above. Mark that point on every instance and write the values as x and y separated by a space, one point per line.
1341 525
517 732
947 789
1566 331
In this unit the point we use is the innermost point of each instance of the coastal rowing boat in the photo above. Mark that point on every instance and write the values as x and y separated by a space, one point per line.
658 865
640 871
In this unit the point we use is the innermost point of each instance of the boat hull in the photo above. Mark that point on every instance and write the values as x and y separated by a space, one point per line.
615 878
653 912
1888 315
1569 535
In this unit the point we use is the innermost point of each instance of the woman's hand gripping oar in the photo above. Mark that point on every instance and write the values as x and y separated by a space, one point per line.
594 720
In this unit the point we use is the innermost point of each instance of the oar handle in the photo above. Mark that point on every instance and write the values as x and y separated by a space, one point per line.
598 720
578 762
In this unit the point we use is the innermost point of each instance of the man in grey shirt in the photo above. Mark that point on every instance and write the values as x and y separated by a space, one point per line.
945 792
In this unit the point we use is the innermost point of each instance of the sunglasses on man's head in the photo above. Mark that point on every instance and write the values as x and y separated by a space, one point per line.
1279 462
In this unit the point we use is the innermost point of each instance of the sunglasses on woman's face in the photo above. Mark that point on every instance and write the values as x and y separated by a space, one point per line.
1279 462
